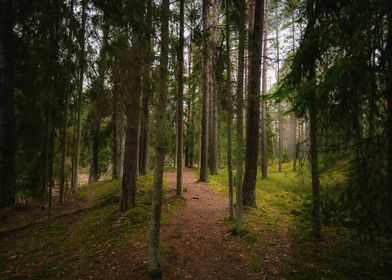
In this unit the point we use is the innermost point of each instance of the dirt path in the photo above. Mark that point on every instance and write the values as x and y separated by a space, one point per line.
196 243
199 243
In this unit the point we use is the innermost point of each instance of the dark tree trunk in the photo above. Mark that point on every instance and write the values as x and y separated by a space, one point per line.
229 115
240 101
389 94
293 118
7 107
315 172
191 88
264 156
130 167
82 66
213 90
144 147
280 117
314 158
66 105
205 90
180 99
154 267
252 129
189 123
96 121
95 130
214 128
53 9
117 118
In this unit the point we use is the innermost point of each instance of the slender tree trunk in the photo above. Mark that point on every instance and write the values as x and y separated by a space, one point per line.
249 30
229 114
7 107
389 94
315 172
213 95
51 99
190 127
144 149
66 106
205 90
191 88
75 176
280 118
154 267
252 129
240 101
293 118
96 118
264 157
214 127
314 160
50 180
117 119
95 129
180 99
130 167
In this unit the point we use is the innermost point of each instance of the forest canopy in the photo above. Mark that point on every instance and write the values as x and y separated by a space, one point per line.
256 98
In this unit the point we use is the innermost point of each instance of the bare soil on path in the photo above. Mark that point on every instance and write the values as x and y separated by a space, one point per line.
196 243
200 244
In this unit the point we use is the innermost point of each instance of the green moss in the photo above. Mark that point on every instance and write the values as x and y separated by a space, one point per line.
282 219
83 242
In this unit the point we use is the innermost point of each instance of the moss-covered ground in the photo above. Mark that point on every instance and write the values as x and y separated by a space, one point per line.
279 235
75 246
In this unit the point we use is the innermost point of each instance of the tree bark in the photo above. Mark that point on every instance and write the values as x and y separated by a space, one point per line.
95 130
7 107
180 100
229 114
96 118
389 94
66 105
293 118
315 171
144 147
82 66
240 101
190 118
117 119
205 90
280 118
264 156
130 166
252 129
213 95
154 267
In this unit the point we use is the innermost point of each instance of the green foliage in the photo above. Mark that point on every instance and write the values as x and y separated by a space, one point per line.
338 70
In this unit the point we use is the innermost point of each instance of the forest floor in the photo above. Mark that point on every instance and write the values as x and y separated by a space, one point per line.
99 242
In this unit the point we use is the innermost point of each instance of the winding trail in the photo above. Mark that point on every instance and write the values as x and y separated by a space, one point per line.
196 242
200 244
